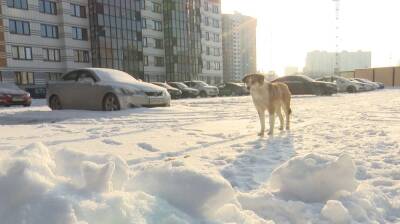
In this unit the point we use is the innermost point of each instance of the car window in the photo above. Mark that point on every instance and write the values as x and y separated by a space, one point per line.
9 86
86 76
72 76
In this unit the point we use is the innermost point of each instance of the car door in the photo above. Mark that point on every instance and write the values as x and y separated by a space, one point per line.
223 89
65 90
87 92
295 85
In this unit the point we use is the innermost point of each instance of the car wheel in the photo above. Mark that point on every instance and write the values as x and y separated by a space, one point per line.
27 105
55 103
111 103
203 94
351 89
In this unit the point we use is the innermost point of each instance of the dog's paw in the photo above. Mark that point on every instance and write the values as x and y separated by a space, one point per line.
281 128
261 134
270 133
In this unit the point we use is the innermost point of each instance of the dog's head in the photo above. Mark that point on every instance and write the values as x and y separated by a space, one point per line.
253 80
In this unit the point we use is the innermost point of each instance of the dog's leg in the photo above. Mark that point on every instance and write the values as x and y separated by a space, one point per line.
271 122
281 121
261 114
287 114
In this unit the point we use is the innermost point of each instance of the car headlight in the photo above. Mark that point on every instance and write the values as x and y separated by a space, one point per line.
131 92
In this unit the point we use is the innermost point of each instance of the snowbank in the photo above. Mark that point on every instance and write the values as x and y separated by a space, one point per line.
313 178
68 187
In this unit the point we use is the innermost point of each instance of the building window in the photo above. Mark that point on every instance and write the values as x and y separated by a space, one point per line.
207 50
207 21
19 27
157 25
159 44
206 6
49 31
157 7
79 33
145 42
21 53
81 56
51 54
215 9
207 36
144 23
54 76
78 10
216 23
217 52
47 7
159 61
146 60
217 66
216 37
18 4
25 78
208 65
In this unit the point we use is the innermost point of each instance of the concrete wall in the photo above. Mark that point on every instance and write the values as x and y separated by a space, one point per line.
364 74
384 75
390 76
397 76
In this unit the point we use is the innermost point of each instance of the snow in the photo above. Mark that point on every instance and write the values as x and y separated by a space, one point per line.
200 161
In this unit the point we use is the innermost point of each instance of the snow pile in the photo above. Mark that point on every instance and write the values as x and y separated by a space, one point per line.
317 189
35 190
68 187
313 178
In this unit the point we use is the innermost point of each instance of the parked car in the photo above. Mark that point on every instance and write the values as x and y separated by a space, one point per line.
205 89
232 89
103 89
187 92
302 85
174 92
345 85
377 85
11 94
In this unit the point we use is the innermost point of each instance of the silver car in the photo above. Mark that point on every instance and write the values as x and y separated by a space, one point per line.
103 89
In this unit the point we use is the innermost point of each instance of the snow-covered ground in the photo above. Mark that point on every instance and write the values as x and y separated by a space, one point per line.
201 161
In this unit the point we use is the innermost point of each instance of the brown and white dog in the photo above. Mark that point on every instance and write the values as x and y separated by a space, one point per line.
273 97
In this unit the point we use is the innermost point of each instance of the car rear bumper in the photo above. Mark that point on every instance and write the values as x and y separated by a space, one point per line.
12 102
146 101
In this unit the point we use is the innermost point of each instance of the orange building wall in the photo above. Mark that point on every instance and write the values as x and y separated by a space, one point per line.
397 76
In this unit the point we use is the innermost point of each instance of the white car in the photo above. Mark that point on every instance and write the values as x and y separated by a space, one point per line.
205 89
346 85
373 84
103 89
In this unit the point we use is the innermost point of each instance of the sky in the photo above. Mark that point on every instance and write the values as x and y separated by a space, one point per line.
288 29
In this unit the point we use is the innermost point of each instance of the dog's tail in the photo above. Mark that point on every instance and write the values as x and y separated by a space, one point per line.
290 111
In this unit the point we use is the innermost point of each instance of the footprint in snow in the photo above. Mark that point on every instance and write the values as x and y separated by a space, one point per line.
147 147
111 142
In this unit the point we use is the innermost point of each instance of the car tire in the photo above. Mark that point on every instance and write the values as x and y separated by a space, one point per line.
203 94
55 103
351 89
111 103
27 105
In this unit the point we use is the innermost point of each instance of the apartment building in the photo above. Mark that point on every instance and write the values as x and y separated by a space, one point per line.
320 63
41 39
239 46
153 41
211 41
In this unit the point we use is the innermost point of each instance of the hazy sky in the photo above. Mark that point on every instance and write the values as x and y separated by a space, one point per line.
288 29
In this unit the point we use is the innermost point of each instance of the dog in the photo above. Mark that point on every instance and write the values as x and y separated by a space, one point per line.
273 97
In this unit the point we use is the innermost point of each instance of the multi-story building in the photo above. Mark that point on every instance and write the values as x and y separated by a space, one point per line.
40 39
323 63
211 41
154 40
239 46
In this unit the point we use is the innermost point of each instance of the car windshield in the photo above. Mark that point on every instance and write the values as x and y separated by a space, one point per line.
202 84
180 85
306 78
9 86
109 75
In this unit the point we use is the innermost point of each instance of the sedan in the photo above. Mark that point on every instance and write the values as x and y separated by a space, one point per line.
302 85
186 91
344 84
205 89
174 92
11 94
232 89
103 89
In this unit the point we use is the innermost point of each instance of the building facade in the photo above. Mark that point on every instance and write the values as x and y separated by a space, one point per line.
211 41
41 39
239 46
154 40
320 63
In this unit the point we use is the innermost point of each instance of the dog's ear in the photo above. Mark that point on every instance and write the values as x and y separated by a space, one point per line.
245 78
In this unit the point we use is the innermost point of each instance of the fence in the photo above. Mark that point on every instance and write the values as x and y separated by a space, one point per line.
390 76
